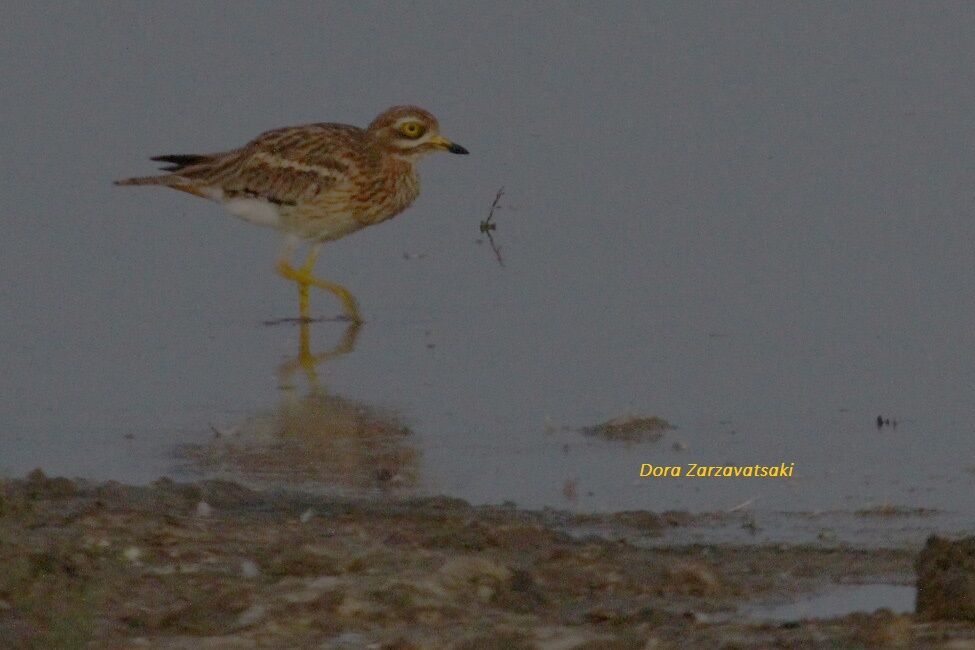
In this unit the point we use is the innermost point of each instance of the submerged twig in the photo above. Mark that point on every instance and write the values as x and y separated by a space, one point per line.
496 249
486 226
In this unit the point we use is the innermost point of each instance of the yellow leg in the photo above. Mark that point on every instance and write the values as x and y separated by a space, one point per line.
303 286
304 278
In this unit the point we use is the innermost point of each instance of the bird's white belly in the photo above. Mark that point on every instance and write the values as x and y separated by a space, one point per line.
254 210
321 222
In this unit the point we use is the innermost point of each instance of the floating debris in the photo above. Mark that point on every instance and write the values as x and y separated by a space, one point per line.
889 510
570 490
631 428
886 422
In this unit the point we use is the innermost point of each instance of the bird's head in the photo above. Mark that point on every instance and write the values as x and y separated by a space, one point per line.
410 132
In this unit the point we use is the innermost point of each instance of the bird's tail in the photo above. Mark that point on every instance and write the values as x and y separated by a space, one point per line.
166 179
177 162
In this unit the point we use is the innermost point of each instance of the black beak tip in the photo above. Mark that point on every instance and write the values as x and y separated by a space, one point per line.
456 148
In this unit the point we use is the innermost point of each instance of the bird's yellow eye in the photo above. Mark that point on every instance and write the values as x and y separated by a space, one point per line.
411 129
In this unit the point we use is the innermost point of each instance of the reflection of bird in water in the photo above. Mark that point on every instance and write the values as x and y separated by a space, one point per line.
315 183
315 439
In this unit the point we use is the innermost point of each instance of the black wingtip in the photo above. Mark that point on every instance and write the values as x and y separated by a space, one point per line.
179 161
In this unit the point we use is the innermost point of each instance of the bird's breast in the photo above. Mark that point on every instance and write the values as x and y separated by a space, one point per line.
387 194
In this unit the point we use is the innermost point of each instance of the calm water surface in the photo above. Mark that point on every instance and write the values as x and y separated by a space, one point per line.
754 221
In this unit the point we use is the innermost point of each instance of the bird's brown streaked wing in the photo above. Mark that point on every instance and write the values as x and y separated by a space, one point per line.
285 165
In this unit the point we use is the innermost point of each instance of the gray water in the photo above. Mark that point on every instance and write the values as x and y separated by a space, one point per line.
840 600
753 220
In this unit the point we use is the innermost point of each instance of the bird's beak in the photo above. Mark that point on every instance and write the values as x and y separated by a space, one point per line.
447 145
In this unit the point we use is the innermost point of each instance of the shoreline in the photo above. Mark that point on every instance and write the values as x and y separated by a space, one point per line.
217 565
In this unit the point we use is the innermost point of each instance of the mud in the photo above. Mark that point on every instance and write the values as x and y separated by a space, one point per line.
216 565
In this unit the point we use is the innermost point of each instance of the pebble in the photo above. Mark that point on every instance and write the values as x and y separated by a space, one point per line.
249 569
251 615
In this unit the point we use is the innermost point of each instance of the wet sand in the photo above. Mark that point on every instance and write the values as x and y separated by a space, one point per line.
216 565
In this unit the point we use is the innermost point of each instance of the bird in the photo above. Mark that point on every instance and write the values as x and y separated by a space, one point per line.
314 183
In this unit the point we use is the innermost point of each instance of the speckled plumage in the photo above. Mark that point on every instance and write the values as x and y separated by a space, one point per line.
323 181
315 182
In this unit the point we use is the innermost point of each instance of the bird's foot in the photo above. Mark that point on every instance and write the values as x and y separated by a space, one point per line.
305 279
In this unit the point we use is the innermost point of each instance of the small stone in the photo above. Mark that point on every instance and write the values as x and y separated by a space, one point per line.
251 615
484 593
307 515
325 583
204 509
132 554
303 596
249 569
